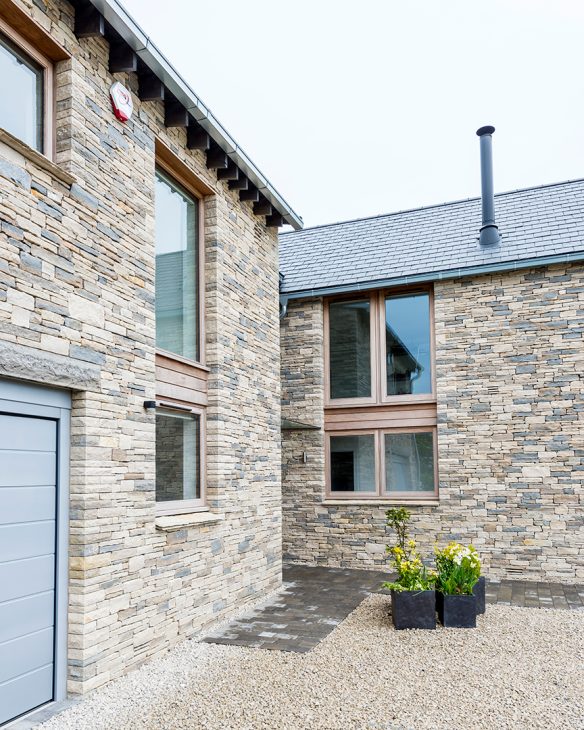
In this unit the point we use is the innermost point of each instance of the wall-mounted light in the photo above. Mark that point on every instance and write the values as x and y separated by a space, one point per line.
150 406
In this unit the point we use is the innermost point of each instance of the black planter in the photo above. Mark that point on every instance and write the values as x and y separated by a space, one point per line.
478 592
413 609
457 612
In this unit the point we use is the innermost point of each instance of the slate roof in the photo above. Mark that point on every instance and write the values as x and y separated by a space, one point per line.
543 221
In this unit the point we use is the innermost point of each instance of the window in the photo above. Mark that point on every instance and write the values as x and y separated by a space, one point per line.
177 269
407 344
352 461
350 349
26 92
409 462
380 404
383 464
181 376
178 460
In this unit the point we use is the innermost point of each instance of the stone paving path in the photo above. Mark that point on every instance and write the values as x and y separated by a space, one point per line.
315 600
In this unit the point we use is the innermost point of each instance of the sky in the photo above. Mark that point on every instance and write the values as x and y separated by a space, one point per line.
353 109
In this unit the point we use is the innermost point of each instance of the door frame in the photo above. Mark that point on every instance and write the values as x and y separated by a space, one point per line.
24 399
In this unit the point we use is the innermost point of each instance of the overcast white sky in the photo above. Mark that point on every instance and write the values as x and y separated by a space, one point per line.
357 108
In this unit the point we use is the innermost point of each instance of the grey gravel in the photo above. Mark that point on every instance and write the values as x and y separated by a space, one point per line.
521 668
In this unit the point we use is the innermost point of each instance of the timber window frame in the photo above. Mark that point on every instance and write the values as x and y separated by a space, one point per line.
381 491
16 44
186 505
181 382
381 414
378 349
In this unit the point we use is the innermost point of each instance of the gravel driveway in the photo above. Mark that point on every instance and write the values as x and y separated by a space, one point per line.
521 668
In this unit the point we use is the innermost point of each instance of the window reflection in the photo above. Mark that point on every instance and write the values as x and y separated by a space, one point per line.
407 338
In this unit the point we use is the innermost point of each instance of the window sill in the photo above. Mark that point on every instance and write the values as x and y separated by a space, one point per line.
380 502
170 523
38 159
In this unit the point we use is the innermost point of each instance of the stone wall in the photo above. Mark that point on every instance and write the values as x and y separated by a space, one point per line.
77 309
509 362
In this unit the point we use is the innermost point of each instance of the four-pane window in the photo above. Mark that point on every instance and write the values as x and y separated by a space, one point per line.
380 384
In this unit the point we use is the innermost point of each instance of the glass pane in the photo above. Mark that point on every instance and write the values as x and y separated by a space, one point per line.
21 91
407 337
178 459
177 290
350 349
353 463
409 462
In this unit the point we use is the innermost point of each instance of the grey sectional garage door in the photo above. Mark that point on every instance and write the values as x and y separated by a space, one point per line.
28 508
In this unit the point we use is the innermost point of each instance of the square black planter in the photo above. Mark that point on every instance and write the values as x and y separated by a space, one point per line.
413 609
478 592
457 612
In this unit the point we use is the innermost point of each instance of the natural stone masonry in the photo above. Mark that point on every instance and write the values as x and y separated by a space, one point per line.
77 310
509 364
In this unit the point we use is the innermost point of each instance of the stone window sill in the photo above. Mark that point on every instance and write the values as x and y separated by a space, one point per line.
380 502
170 523
38 159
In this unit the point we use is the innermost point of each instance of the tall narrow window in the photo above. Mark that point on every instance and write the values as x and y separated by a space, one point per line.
407 341
178 456
350 349
22 94
177 269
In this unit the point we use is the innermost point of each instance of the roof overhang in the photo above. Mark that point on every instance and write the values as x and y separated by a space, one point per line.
146 50
427 277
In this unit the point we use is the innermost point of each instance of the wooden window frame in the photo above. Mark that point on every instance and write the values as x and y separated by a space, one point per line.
48 111
378 349
373 345
381 492
176 175
188 371
352 495
413 495
182 506
382 353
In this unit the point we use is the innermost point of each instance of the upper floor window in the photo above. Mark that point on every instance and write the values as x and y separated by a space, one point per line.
379 349
25 90
177 269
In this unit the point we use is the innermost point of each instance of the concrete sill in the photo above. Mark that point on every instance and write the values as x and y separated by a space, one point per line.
170 523
38 159
380 502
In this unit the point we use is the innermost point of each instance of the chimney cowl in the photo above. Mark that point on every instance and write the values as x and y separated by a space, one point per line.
489 231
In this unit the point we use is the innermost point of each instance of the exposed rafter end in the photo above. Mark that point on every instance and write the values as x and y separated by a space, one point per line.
275 220
250 194
89 22
150 88
228 173
122 58
240 184
175 115
263 207
197 138
216 158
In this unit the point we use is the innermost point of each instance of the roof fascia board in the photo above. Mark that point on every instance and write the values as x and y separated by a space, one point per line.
147 51
427 277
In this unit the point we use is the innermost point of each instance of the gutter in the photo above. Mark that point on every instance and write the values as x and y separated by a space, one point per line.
146 50
513 265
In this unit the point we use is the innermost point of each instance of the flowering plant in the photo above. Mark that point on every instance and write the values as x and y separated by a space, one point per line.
412 574
459 568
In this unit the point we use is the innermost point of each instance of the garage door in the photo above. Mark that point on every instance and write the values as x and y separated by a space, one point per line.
31 476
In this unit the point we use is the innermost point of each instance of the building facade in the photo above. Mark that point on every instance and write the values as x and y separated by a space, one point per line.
139 358
452 387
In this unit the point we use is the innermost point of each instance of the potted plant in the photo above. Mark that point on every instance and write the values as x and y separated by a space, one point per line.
413 600
459 568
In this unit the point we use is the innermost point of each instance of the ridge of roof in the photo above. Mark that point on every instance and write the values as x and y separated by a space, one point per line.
446 204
